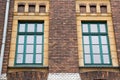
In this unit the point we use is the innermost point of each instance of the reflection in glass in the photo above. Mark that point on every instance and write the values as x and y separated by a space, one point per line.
19 58
29 58
22 28
86 39
95 40
29 48
85 28
96 59
31 27
87 59
93 27
38 58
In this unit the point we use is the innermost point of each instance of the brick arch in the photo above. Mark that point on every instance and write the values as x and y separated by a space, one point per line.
100 75
27 75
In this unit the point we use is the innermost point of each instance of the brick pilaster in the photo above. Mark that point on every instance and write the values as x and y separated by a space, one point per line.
115 6
63 50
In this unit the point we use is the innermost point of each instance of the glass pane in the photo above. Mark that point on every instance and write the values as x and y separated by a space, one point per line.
38 58
105 49
39 39
106 59
29 58
102 28
30 39
31 27
96 59
22 28
87 59
38 48
39 27
20 48
86 39
93 27
96 48
85 27
29 48
104 39
20 39
19 58
86 49
95 40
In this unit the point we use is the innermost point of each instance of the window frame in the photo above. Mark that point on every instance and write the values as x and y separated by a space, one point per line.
99 34
25 34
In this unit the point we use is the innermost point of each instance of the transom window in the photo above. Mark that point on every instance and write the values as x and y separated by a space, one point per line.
95 43
30 43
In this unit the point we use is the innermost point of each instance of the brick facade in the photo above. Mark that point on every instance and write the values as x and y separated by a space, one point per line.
116 23
63 47
2 14
8 37
63 52
28 75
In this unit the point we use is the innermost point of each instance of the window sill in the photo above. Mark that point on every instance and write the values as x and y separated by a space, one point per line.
100 66
29 66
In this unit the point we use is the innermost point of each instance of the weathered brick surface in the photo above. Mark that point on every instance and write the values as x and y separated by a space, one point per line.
8 37
28 75
2 14
115 6
100 75
63 52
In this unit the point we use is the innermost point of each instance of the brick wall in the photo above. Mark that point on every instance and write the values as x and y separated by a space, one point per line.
2 14
63 52
115 5
8 37
28 75
100 75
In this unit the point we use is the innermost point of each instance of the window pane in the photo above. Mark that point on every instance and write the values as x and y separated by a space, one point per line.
104 39
22 28
31 27
29 58
106 59
39 27
38 58
38 48
95 40
39 39
96 49
93 27
20 48
21 40
30 39
85 27
105 49
96 59
29 48
87 59
19 58
102 28
86 49
86 39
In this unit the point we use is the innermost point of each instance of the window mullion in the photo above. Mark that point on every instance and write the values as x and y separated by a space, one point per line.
34 54
42 42
25 43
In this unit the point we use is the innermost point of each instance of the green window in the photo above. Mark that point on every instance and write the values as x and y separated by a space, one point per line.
95 43
29 48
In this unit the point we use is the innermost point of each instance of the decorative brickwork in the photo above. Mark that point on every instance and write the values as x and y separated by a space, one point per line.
28 75
8 37
115 6
98 75
63 52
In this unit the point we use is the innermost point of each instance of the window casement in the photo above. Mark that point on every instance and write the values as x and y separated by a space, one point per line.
95 43
42 8
30 42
